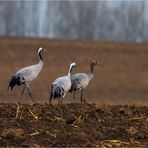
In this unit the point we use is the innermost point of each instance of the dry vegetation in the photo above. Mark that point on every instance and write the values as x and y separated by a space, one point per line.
123 79
73 125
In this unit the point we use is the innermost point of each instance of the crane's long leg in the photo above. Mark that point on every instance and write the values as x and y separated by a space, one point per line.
50 97
82 98
18 107
58 100
23 90
74 94
30 95
81 95
51 94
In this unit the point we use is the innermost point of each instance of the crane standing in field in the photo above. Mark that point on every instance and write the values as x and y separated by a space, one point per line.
26 75
61 85
81 80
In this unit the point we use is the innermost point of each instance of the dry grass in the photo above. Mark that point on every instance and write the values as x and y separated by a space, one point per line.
73 125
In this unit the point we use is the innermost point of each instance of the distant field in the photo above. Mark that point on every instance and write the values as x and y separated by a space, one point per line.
123 78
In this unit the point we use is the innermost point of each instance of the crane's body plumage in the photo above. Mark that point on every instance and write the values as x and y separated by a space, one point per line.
63 82
31 72
61 85
81 80
26 75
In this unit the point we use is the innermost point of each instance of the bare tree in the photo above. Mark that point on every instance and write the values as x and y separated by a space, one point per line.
107 20
131 20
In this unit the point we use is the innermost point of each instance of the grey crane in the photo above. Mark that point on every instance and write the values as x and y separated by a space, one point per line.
26 75
81 80
61 85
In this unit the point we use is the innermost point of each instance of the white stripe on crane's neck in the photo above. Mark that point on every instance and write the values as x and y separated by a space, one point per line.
40 64
70 68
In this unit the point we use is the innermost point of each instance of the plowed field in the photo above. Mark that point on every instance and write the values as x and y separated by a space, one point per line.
73 125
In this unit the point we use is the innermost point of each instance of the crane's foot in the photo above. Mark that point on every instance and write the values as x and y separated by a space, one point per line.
49 102
60 101
83 100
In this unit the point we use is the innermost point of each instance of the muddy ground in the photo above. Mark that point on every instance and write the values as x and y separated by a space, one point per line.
74 125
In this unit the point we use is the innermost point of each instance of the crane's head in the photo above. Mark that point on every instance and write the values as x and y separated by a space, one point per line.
73 64
94 62
40 50
39 53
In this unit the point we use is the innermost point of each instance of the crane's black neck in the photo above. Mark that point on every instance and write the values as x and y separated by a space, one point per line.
70 69
40 56
91 68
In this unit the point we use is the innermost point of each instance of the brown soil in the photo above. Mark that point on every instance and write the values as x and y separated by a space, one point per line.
73 125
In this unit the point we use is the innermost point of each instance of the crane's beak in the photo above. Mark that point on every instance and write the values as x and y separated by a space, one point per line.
100 64
45 50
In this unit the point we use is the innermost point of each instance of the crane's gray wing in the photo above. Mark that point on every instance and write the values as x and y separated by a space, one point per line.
26 75
63 82
79 81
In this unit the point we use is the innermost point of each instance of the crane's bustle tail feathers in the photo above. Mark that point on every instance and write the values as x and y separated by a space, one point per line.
58 92
15 80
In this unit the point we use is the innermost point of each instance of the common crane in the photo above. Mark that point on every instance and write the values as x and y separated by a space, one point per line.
81 80
26 75
61 85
